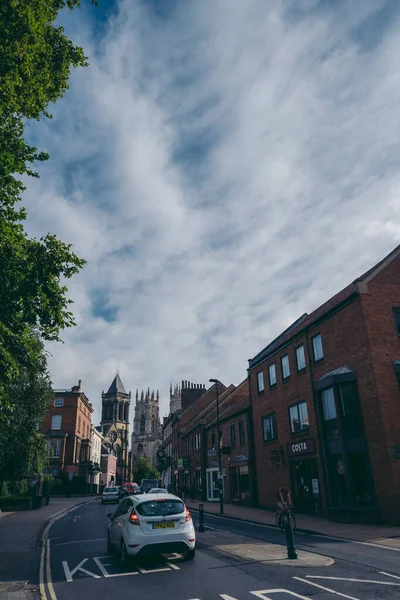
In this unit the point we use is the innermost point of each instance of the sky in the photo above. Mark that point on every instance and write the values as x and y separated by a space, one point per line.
223 167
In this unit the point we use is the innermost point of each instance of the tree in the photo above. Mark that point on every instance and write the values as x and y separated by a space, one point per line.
142 469
22 447
36 61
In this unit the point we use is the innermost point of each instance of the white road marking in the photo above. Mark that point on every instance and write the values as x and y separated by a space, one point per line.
69 574
261 594
322 587
48 573
226 597
42 589
80 542
351 579
104 571
170 564
145 572
389 575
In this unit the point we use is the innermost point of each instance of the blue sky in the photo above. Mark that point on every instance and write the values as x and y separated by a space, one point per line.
224 167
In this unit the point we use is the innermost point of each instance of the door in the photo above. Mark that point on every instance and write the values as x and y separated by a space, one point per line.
118 521
212 484
304 474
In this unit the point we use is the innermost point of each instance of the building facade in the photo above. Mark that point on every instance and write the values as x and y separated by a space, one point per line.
67 427
96 441
147 431
115 426
326 404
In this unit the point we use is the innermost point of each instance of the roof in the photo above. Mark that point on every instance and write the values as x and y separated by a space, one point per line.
348 293
343 370
117 386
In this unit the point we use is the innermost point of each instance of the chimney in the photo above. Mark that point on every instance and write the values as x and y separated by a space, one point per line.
80 385
183 384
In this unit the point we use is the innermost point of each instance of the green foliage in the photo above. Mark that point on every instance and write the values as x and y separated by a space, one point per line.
142 469
20 487
4 490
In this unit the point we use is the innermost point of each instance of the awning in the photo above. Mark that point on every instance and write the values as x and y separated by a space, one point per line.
342 374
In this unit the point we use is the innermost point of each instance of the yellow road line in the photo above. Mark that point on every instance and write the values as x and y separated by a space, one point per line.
41 575
48 573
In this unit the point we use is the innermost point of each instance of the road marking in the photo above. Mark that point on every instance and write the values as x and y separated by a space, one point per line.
349 541
145 572
42 589
351 579
389 574
48 572
261 594
80 542
170 564
69 573
104 571
322 587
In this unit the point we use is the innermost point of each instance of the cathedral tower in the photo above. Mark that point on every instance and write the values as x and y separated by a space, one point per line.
115 425
147 434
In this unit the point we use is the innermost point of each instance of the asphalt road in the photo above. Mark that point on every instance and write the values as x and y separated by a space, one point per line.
75 564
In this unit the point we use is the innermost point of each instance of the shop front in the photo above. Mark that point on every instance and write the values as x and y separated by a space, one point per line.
212 483
239 480
305 481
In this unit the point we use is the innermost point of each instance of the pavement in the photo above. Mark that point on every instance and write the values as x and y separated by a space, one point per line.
383 535
234 561
19 536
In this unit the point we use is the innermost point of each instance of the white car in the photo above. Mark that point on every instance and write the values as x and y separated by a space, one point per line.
151 524
110 494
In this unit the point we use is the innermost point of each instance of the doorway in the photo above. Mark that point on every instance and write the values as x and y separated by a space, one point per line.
306 492
212 484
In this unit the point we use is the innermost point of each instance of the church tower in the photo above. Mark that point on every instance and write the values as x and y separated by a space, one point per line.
147 434
115 425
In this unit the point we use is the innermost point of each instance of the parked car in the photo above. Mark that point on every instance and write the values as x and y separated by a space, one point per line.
151 524
131 488
158 491
110 494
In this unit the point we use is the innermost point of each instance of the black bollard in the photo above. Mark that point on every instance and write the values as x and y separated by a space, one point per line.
201 518
290 543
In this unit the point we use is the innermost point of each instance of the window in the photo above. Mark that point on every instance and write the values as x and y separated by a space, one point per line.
58 402
260 381
299 417
142 424
160 508
79 424
269 428
285 367
300 358
272 374
328 404
242 439
56 422
317 347
187 447
233 436
53 448
396 314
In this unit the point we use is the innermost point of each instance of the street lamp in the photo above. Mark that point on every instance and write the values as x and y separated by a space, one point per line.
221 493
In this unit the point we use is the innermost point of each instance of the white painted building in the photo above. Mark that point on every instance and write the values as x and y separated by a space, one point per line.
96 440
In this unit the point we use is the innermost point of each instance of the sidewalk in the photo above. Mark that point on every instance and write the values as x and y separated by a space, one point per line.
19 533
379 534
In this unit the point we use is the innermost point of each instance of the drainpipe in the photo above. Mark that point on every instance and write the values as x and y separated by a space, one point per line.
252 457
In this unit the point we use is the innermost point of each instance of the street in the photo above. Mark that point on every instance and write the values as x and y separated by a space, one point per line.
74 563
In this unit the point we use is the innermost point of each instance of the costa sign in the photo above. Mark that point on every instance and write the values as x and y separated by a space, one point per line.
303 447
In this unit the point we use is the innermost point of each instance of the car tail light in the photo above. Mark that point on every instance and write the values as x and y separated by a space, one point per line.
188 516
134 519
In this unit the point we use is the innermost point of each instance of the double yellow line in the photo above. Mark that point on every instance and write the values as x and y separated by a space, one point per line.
45 572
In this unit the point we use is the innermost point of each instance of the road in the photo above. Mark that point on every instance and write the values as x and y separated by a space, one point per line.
75 564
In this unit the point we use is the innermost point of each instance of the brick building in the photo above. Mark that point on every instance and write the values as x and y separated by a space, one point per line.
67 427
326 403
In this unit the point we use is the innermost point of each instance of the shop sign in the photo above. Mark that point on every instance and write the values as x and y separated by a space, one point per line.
299 448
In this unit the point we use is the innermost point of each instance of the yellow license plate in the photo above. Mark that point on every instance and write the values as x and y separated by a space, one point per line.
164 525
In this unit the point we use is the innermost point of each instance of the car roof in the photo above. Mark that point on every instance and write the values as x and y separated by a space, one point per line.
148 497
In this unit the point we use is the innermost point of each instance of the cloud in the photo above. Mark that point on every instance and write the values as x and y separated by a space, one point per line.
223 167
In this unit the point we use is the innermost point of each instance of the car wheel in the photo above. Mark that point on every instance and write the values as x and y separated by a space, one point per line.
123 555
189 554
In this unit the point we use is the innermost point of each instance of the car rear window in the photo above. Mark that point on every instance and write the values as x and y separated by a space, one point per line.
160 508
111 489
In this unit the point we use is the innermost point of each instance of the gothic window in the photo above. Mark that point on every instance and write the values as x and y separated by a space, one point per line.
153 423
139 451
142 424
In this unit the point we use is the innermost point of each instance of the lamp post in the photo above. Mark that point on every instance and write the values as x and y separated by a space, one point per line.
221 492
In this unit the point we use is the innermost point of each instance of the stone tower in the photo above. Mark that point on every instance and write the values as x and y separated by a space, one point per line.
147 433
175 399
115 425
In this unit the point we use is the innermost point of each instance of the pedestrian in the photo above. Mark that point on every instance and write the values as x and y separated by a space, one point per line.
283 500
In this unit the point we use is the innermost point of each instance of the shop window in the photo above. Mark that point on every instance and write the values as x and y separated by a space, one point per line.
272 375
285 367
233 436
350 407
299 417
300 358
242 439
317 348
260 381
270 431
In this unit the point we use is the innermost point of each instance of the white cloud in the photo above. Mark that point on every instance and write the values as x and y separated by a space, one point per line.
223 171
